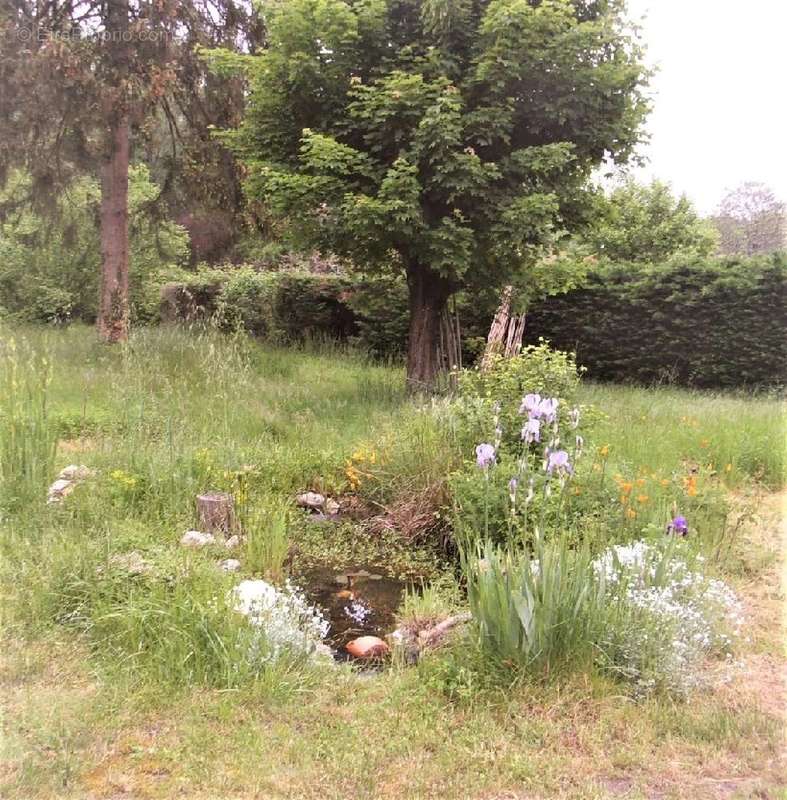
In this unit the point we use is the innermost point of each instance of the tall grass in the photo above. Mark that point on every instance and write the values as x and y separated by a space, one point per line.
267 542
539 610
660 429
27 436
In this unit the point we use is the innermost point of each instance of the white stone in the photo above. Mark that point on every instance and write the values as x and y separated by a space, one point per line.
196 539
75 473
59 489
232 542
230 565
331 506
312 500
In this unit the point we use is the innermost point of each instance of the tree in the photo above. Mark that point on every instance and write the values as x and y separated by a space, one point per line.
751 220
447 139
79 80
648 224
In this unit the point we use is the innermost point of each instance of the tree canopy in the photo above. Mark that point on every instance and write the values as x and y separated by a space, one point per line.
640 223
449 139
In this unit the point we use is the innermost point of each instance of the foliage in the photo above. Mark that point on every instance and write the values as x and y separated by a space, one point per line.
49 271
448 141
639 224
537 369
704 323
539 611
664 618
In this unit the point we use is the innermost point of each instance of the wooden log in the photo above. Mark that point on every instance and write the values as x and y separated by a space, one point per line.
497 331
216 512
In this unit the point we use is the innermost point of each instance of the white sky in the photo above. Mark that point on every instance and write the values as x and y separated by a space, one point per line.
720 98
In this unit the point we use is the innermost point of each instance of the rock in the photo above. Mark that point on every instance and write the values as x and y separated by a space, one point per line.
331 507
196 539
341 580
75 473
319 517
367 647
134 563
311 500
230 565
232 542
59 489
67 481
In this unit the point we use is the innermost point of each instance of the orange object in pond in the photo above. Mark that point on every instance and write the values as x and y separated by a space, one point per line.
367 647
346 594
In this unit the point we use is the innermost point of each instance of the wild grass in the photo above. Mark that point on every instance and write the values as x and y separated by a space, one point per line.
661 429
266 539
108 671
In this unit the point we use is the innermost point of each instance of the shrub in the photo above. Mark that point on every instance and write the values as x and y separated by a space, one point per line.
638 612
705 323
538 369
663 618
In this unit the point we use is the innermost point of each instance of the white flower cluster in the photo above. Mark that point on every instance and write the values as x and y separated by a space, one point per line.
285 620
667 619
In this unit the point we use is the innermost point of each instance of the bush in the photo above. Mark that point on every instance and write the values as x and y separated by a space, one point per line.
638 612
705 323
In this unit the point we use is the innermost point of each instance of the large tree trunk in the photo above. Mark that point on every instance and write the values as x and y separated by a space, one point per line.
113 308
113 311
429 293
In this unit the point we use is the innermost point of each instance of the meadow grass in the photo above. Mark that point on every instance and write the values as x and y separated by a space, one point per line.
94 654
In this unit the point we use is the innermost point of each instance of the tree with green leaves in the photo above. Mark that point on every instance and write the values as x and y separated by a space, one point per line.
451 140
83 81
646 223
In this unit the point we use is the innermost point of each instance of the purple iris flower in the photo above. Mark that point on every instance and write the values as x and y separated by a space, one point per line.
512 487
547 409
679 526
558 461
530 404
485 455
531 432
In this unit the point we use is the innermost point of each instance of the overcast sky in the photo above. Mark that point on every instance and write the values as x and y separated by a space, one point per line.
720 97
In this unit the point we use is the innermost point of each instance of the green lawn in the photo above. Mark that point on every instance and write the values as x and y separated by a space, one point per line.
177 412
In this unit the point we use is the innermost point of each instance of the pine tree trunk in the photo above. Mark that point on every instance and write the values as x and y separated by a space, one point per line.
113 311
113 308
429 293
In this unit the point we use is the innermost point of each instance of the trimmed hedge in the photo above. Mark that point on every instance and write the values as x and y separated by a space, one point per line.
714 323
706 323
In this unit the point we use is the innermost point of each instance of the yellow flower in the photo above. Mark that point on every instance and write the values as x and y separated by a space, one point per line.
728 468
704 443
642 498
631 513
623 499
664 482
604 451
626 487
640 481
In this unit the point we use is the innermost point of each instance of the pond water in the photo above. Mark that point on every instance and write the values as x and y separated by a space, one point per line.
358 601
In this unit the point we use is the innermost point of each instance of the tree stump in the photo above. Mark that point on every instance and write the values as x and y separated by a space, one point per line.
216 512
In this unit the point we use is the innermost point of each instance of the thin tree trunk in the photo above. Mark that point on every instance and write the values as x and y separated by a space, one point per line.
113 308
429 293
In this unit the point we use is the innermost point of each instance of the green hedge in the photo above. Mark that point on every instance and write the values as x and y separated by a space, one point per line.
705 323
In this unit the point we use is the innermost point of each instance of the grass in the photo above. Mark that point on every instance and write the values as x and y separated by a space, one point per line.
115 683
